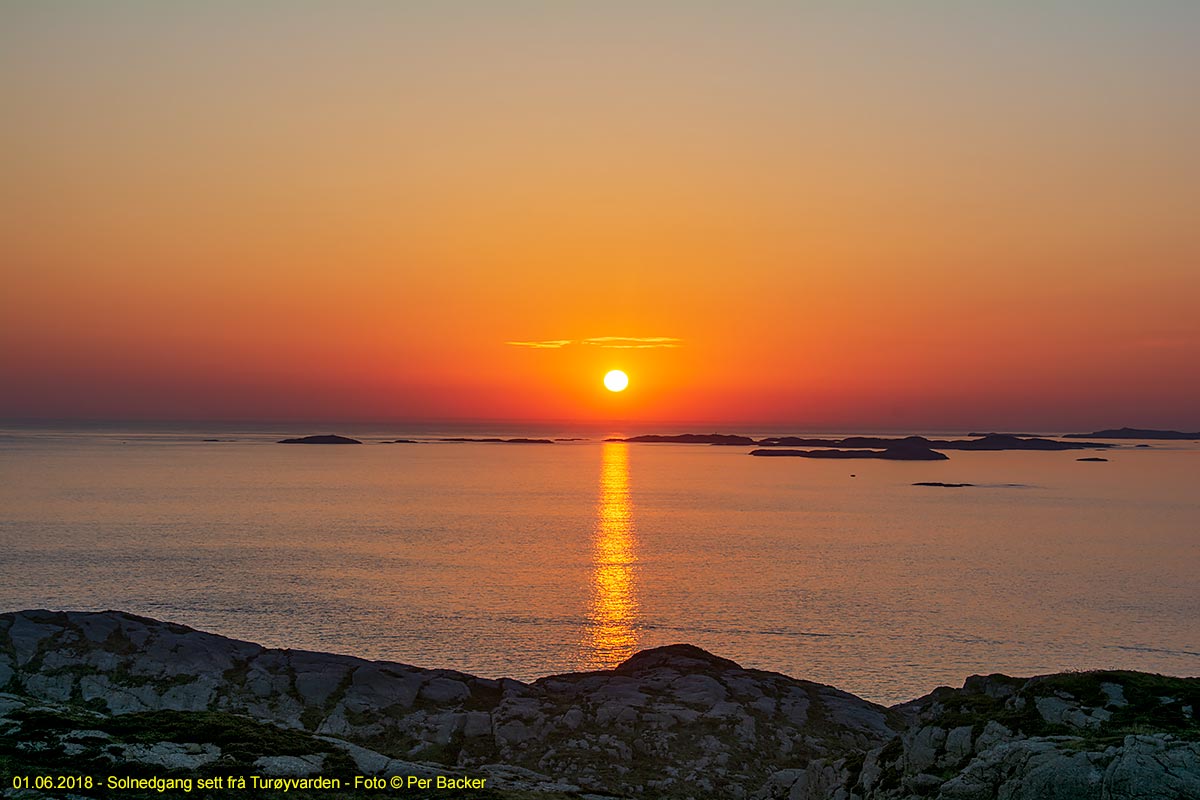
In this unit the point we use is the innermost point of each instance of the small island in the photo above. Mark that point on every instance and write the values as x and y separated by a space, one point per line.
891 454
991 441
330 438
497 440
976 434
1134 433
689 438
986 441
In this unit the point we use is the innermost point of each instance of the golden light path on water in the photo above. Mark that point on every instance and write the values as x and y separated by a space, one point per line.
612 631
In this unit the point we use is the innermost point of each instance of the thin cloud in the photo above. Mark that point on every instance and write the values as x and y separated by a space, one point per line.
615 342
639 342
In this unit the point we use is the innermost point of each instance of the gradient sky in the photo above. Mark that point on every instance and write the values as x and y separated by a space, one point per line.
871 215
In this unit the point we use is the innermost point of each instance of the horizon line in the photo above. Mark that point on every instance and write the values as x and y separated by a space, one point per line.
675 426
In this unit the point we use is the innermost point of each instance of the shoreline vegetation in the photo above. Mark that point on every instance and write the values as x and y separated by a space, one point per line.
110 693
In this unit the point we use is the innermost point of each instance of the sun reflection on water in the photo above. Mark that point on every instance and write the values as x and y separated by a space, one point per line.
612 614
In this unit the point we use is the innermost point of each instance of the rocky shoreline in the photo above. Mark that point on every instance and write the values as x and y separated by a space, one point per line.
107 693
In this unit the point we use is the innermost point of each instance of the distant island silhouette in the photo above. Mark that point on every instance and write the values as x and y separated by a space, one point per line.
943 485
903 453
494 440
992 441
1022 435
1134 433
689 438
891 447
989 441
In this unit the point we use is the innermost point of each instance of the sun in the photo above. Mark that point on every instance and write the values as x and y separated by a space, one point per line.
616 381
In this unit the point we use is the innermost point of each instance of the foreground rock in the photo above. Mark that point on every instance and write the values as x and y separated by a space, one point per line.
330 438
94 691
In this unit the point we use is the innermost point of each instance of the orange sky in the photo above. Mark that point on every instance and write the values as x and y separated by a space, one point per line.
873 218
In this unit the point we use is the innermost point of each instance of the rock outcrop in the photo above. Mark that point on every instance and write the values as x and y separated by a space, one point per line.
329 438
81 692
942 485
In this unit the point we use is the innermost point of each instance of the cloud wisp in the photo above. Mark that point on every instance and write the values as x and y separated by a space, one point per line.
633 341
616 342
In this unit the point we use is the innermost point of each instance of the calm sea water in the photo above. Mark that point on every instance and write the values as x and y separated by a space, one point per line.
530 560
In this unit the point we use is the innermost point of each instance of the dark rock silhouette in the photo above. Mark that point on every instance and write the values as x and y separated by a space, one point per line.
690 438
991 441
331 438
982 441
497 440
1093 458
1003 441
907 453
944 485
850 442
1134 433
1021 435
400 441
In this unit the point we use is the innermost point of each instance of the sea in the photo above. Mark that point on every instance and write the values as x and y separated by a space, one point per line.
525 560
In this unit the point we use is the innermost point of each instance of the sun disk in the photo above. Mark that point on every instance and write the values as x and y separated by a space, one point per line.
616 381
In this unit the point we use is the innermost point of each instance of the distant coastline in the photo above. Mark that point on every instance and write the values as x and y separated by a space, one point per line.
1134 433
905 448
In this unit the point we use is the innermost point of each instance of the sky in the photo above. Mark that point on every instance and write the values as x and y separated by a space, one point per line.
805 215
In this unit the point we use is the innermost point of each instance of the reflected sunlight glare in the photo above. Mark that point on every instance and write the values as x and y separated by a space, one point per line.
612 633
